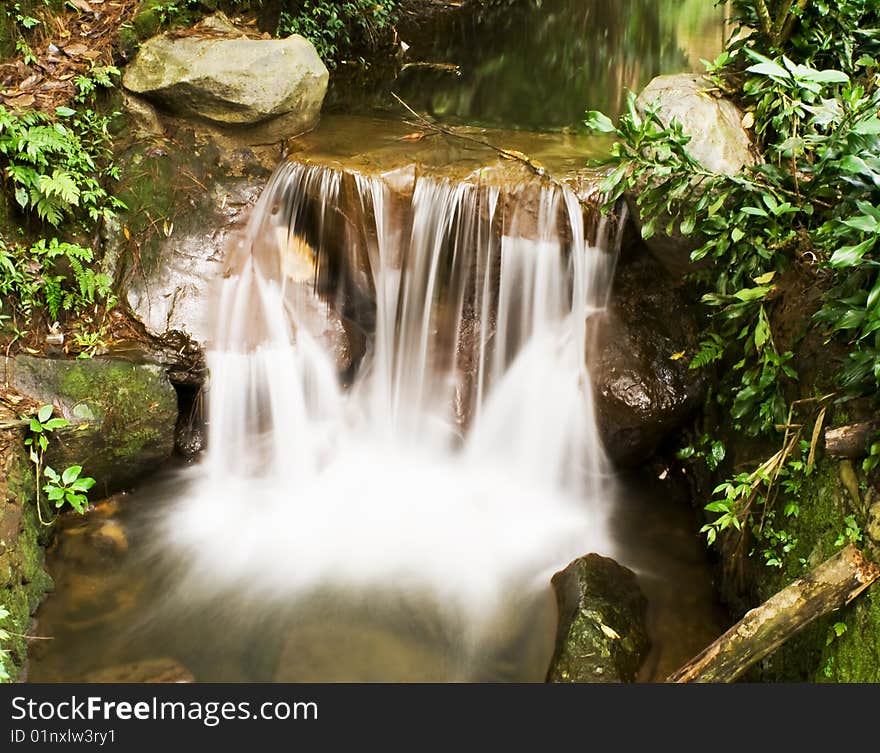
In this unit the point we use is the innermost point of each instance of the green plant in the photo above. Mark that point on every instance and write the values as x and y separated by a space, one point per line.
98 77
54 275
24 49
711 450
834 632
337 28
23 19
69 486
873 457
90 343
807 76
851 534
56 168
4 653
748 501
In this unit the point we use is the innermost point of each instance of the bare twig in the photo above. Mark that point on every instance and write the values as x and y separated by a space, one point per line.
506 153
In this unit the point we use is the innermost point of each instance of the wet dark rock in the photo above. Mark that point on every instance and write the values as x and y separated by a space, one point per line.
602 634
148 670
644 388
122 414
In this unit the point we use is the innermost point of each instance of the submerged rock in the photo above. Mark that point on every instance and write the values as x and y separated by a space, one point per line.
220 75
148 670
644 386
718 141
122 415
602 634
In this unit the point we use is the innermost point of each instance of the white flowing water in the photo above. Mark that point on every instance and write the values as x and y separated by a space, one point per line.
461 468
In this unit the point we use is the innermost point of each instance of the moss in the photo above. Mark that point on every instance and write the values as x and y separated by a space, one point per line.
814 653
114 394
123 414
601 635
23 581
147 22
854 656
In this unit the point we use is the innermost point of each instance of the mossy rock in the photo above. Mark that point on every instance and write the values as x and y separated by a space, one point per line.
817 653
23 582
122 414
602 634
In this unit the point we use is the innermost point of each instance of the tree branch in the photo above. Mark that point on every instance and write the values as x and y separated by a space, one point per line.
831 585
765 18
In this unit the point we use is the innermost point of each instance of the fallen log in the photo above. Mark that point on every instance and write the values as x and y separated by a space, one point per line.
831 585
850 441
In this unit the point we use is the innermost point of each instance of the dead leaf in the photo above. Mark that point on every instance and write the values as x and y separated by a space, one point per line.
415 136
81 5
30 82
677 356
75 49
23 101
748 120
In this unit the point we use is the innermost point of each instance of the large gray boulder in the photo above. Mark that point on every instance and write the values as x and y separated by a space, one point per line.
220 75
718 141
602 632
643 384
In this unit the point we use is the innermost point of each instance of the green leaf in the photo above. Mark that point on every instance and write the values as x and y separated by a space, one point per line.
82 484
64 112
826 77
851 256
863 223
45 413
717 453
53 492
71 474
769 68
762 330
758 293
869 127
599 122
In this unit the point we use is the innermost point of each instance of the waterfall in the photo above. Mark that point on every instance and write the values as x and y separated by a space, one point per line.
460 462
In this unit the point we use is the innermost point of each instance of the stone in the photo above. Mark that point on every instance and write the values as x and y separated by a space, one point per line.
218 74
122 414
23 579
164 670
643 384
873 526
718 141
602 634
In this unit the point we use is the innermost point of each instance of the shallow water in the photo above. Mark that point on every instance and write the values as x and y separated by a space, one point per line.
115 603
540 64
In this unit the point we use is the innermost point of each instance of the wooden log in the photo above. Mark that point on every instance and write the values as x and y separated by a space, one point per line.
831 585
850 441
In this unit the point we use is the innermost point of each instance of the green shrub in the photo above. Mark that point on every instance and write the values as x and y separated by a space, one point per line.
56 168
339 29
808 75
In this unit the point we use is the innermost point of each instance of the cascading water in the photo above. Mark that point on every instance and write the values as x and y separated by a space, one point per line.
459 470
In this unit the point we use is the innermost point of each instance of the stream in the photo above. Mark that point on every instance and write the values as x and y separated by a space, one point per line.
405 528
